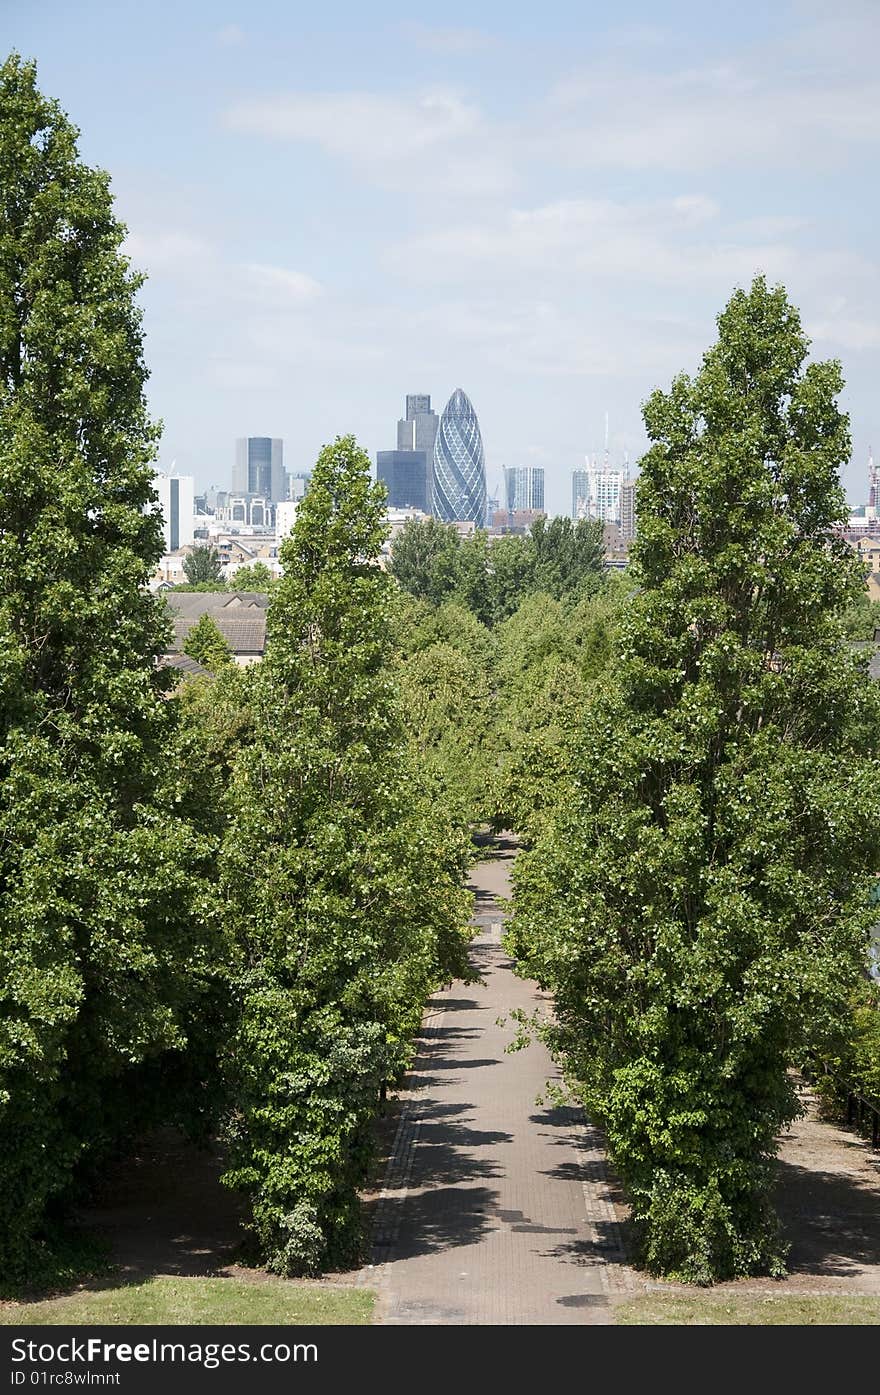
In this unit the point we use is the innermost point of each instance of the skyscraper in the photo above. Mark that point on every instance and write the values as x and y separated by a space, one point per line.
459 491
524 487
418 429
405 475
628 510
595 493
176 501
580 494
259 467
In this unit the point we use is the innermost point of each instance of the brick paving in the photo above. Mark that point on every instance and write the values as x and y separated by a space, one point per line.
496 1207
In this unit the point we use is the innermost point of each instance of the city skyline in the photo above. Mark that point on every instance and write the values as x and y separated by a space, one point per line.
476 201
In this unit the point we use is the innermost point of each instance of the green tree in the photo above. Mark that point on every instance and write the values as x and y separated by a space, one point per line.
98 966
206 644
203 564
346 902
568 556
699 904
255 577
424 559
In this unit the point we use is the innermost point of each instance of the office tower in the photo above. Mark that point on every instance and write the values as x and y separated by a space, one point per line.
405 475
628 510
524 488
259 467
580 494
418 429
459 489
177 502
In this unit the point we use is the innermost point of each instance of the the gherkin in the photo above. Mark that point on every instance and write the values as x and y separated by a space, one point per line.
459 493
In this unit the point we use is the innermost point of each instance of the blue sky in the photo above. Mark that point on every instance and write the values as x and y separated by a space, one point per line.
546 205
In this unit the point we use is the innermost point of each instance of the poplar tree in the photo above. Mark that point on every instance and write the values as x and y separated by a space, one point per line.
94 875
341 881
699 904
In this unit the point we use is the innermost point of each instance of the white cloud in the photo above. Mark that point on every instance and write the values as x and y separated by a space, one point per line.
433 142
449 40
677 242
230 36
846 333
160 250
759 114
291 286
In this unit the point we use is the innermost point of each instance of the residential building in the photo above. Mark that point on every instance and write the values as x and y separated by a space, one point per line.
524 488
628 510
459 485
285 517
240 616
595 493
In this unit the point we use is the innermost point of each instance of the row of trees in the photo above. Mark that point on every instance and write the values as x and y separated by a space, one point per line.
225 905
223 908
699 895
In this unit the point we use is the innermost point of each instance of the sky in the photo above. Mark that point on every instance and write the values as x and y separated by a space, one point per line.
544 204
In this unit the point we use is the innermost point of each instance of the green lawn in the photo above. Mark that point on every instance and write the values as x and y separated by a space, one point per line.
202 1301
746 1309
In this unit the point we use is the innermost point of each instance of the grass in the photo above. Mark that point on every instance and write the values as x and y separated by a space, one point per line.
201 1302
747 1310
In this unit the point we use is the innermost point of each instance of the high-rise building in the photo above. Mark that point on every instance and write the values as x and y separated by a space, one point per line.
580 494
177 502
259 467
524 488
405 475
459 489
418 429
628 510
297 484
595 493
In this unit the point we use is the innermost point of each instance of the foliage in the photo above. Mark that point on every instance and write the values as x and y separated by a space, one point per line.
698 903
862 618
254 577
345 902
201 586
100 960
206 644
203 564
491 576
424 559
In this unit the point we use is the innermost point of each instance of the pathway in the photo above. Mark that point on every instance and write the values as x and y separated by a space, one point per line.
496 1207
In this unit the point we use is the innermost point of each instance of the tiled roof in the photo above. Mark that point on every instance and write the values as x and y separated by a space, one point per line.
193 604
243 635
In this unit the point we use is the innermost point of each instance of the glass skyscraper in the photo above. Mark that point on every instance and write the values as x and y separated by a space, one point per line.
405 475
524 487
259 467
459 492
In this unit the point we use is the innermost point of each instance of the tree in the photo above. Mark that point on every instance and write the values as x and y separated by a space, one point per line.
346 902
424 559
255 577
699 904
203 564
97 971
206 644
568 556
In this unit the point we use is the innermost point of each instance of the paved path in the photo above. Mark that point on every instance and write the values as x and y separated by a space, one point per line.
496 1208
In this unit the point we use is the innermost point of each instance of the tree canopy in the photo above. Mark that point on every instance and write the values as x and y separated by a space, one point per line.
698 901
